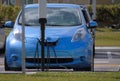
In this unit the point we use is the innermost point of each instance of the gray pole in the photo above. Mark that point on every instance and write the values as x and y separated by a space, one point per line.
94 9
112 1
42 21
93 4
8 3
23 38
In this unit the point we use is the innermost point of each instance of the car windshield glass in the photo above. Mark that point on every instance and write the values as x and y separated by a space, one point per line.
55 17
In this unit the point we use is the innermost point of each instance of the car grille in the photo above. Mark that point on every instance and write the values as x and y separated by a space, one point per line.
50 60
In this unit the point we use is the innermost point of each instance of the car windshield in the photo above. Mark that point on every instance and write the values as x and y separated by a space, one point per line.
55 17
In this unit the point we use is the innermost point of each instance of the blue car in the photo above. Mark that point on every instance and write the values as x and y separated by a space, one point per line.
68 39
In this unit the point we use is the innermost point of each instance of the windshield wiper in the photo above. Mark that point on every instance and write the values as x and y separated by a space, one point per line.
28 25
62 25
54 25
25 24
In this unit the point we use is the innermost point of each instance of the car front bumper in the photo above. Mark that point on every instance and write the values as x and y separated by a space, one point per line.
56 57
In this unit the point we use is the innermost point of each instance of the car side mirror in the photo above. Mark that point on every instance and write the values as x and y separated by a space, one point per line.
9 24
93 24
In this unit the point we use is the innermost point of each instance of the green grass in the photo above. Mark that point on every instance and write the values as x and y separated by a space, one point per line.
63 76
107 37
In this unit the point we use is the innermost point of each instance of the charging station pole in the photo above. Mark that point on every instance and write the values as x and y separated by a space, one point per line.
23 37
94 9
93 4
42 21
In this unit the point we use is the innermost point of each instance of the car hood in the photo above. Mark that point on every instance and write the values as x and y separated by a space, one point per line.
54 32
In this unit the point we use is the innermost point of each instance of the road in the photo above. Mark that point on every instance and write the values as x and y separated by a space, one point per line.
1 63
106 59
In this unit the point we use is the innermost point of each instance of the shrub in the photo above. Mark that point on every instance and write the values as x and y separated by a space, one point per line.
106 14
8 12
109 14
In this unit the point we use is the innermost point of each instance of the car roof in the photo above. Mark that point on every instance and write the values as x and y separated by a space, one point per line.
54 5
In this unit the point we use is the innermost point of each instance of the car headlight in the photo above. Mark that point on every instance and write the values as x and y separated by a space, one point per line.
17 34
79 35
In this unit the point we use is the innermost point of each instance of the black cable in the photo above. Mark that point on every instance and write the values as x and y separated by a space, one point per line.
48 61
36 56
38 60
48 57
55 54
57 58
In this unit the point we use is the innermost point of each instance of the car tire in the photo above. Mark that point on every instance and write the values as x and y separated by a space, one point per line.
93 51
2 50
93 55
6 66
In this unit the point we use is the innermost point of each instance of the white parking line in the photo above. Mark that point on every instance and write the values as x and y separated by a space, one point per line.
119 68
100 61
109 56
107 48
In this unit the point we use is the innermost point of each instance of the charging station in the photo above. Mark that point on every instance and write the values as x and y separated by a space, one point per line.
42 21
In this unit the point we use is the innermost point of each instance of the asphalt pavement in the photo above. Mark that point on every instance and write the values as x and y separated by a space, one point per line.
107 59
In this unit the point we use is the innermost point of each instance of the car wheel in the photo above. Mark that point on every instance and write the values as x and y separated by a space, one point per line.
2 50
6 66
93 50
93 55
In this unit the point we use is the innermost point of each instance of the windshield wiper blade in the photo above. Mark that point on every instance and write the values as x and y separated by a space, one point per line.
54 25
25 24
28 25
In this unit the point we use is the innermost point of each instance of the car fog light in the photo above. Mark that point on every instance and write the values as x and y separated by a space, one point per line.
82 58
14 57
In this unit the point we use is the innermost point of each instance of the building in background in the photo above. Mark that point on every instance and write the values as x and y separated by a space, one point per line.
4 2
18 2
